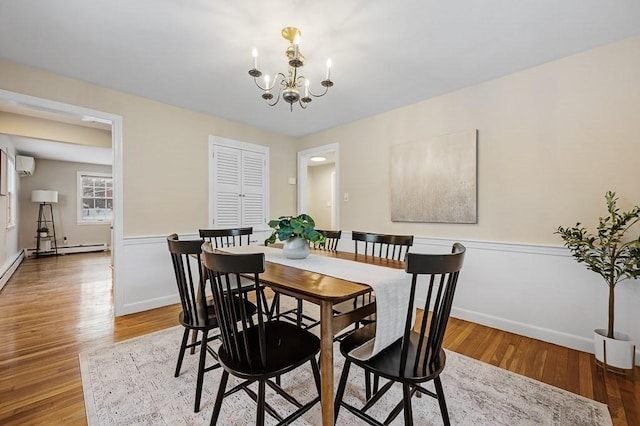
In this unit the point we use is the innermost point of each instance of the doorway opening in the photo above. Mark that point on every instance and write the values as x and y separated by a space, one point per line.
318 185
39 106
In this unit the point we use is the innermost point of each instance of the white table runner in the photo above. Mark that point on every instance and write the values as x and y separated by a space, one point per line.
391 286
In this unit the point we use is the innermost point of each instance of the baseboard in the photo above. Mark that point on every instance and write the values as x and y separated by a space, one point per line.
148 304
545 334
10 268
76 248
82 248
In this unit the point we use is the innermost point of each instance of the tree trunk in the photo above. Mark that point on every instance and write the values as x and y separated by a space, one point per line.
611 310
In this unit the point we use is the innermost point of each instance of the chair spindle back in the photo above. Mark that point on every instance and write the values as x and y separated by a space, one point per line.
441 275
393 247
186 256
224 274
231 237
331 239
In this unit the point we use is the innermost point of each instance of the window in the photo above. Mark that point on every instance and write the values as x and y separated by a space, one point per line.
12 201
95 197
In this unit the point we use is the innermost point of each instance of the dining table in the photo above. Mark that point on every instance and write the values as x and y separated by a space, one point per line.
325 291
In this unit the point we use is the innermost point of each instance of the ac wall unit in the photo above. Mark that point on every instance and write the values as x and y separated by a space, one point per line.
25 166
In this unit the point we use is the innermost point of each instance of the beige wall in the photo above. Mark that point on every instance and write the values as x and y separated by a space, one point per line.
164 151
59 176
319 194
551 141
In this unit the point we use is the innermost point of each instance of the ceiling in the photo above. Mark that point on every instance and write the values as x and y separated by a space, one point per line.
386 54
60 151
54 150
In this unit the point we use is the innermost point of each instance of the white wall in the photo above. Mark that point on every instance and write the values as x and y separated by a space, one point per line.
9 252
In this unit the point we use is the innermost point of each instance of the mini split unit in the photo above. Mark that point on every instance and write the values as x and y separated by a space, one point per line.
25 166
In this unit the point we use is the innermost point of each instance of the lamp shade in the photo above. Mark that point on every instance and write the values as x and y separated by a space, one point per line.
44 196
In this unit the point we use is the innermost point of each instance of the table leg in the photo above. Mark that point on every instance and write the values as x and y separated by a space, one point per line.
326 361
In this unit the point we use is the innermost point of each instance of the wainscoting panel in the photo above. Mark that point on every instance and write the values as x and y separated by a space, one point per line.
535 291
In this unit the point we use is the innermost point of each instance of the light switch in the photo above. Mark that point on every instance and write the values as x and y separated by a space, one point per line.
345 197
292 181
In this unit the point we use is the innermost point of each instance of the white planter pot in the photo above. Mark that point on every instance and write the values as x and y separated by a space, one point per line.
295 248
618 352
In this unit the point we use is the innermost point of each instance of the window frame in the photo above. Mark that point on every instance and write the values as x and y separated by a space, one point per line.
79 196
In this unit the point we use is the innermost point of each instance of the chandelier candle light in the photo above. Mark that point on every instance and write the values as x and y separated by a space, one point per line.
290 85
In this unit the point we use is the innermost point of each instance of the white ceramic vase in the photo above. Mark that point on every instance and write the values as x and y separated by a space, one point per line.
295 248
618 352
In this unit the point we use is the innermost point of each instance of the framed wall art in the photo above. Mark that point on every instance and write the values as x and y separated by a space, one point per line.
435 180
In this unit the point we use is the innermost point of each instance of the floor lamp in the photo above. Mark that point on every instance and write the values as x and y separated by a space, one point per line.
46 232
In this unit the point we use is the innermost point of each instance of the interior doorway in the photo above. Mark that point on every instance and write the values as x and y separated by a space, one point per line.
318 178
69 111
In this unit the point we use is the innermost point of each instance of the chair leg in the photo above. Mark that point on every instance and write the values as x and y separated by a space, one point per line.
316 373
183 348
221 390
260 413
408 413
201 366
274 311
441 401
341 387
367 384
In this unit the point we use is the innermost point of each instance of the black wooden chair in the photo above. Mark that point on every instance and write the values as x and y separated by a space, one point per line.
330 242
230 237
297 315
196 316
382 245
256 352
418 356
394 247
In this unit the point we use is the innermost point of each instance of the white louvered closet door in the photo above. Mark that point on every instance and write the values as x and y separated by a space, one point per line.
253 190
238 187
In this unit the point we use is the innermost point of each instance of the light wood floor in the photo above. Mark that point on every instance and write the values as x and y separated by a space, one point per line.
54 308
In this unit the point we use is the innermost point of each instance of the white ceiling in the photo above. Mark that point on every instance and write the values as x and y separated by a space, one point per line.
386 54
50 150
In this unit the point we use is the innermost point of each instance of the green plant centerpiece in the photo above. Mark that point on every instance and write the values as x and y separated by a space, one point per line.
609 252
296 232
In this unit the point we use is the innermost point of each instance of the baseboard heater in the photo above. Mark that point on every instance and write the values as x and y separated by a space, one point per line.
78 248
7 273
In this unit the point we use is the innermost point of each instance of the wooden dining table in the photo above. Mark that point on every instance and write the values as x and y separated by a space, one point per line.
325 291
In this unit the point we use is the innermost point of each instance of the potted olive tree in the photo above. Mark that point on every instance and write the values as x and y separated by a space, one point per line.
615 257
296 232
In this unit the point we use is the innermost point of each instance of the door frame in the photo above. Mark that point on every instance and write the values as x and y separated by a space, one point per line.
303 163
116 170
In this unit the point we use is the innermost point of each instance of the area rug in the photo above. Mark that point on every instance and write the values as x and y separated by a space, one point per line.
132 383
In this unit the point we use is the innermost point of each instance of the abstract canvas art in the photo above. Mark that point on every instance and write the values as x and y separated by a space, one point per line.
435 180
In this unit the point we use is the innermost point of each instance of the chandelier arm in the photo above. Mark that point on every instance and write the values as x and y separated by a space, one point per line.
255 80
326 89
277 98
264 89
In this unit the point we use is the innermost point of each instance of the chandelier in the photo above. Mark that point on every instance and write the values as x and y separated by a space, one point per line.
289 86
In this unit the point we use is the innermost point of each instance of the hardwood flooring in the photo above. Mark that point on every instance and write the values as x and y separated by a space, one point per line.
53 308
